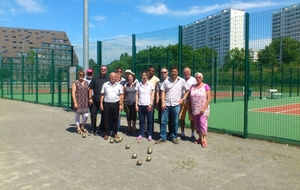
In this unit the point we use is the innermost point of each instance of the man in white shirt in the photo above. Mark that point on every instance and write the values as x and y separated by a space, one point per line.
171 100
185 107
111 102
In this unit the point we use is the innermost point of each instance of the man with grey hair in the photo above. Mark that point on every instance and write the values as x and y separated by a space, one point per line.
111 103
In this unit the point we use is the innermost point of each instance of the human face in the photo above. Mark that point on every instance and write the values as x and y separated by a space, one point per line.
187 73
151 72
198 79
174 74
112 78
80 76
164 73
119 71
103 70
89 75
144 77
130 78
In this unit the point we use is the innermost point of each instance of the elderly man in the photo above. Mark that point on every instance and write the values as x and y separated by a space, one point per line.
111 102
95 87
185 107
171 99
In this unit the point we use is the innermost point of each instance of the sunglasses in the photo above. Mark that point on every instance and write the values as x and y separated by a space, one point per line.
81 75
164 72
103 69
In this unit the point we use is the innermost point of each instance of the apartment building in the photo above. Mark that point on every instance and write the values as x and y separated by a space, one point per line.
15 42
221 31
286 22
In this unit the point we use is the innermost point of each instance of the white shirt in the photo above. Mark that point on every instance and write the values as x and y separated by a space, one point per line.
189 82
111 92
144 93
173 90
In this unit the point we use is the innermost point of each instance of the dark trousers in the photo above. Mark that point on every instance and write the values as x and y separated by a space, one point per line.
111 114
94 111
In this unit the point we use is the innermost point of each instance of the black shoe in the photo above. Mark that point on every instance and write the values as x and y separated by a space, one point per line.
193 138
159 141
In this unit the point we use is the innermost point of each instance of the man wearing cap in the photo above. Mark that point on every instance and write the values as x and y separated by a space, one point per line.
94 98
89 75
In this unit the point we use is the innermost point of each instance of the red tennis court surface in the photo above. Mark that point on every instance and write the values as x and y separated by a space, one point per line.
293 109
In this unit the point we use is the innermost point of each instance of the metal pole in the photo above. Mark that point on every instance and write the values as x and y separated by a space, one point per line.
180 50
246 75
86 36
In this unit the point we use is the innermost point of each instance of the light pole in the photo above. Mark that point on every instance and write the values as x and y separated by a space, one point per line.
149 47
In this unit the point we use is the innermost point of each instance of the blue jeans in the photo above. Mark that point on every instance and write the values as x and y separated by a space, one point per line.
173 112
143 112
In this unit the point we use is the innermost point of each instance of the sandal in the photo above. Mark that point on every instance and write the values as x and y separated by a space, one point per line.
79 132
197 141
83 129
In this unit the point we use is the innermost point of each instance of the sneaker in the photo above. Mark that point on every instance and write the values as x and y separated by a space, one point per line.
204 144
175 141
149 138
159 141
139 137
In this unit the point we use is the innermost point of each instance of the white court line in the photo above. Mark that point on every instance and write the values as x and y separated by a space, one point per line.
287 110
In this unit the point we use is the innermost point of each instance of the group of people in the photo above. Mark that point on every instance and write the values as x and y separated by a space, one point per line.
172 96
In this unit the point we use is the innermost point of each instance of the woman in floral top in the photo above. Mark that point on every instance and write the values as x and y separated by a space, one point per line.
199 100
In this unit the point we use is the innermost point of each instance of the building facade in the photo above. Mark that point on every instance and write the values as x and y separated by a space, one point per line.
15 42
222 31
286 22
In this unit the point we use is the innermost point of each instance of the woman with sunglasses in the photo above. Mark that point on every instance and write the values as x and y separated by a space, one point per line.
80 102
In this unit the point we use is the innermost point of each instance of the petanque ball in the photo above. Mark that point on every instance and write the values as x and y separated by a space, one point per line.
134 156
127 146
148 159
139 162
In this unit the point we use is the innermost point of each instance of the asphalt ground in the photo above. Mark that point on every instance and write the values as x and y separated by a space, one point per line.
40 149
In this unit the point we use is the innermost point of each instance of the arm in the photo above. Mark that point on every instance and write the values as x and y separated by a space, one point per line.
207 101
151 101
90 96
74 96
163 95
101 102
136 100
181 101
121 101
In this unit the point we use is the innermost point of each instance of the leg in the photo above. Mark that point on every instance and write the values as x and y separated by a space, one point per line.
175 115
94 111
142 120
107 117
77 123
203 129
182 114
150 124
115 117
164 119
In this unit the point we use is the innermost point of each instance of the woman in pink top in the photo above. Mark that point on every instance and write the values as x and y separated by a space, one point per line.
199 100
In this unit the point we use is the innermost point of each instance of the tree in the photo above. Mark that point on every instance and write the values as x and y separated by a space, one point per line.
93 65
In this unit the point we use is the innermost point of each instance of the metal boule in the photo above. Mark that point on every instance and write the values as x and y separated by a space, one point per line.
149 150
139 162
111 140
120 139
134 156
116 140
83 135
148 159
127 146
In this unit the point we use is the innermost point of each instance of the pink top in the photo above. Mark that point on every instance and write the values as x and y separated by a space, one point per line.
198 98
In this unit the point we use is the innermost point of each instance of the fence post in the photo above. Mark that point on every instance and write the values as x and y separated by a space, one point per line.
133 58
52 78
260 82
233 81
36 78
23 87
194 65
99 56
215 79
59 87
247 67
11 78
180 50
272 76
298 82
291 79
1 61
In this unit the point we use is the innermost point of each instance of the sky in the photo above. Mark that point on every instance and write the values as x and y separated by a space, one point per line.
110 19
